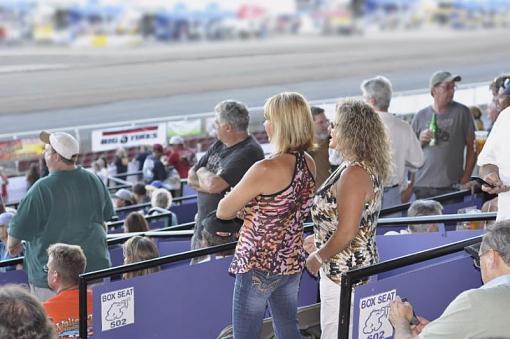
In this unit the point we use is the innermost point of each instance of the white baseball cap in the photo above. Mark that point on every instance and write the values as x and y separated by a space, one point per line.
63 143
176 140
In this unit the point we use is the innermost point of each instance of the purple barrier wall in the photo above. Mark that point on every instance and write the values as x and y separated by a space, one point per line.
182 302
394 246
429 289
186 211
13 277
187 190
475 201
165 247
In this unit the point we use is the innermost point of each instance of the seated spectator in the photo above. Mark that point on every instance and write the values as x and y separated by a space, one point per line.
475 313
135 222
22 315
161 201
65 264
5 218
137 249
423 208
123 198
140 193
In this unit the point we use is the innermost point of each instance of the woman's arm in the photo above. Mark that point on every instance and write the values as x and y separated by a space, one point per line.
253 183
353 189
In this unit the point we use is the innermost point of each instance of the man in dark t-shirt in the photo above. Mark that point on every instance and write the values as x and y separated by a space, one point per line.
225 163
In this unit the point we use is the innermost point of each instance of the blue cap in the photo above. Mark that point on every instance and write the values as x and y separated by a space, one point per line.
157 184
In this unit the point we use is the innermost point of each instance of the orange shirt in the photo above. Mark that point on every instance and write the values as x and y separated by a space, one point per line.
63 310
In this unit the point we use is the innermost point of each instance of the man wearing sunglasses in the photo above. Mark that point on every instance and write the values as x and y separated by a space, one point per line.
445 130
476 313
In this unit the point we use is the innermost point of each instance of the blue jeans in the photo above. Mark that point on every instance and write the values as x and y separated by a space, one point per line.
252 291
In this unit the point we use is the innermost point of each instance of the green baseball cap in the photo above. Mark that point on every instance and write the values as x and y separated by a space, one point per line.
443 76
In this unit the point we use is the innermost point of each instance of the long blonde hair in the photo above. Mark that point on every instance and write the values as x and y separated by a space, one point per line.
291 122
360 135
137 249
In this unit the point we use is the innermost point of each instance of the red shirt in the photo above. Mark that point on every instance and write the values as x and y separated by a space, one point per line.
63 311
182 158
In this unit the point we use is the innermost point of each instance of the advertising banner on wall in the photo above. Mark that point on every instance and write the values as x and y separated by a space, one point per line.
105 140
184 128
21 149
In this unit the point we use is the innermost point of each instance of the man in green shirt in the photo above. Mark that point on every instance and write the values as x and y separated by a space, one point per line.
69 206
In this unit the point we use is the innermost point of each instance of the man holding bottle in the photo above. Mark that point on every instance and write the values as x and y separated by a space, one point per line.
444 129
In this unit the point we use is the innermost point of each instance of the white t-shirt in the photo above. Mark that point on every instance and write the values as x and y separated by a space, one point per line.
497 152
406 150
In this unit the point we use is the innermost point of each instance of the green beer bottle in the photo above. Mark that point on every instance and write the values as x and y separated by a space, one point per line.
434 129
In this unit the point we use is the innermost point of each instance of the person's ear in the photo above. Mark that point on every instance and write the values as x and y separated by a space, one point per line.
492 258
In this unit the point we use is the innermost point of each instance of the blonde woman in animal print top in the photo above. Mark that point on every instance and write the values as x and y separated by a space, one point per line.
346 207
276 194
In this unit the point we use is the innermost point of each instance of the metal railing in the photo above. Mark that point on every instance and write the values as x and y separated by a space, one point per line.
308 227
353 277
440 198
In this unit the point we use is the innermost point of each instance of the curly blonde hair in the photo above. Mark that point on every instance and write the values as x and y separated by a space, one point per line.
291 121
360 135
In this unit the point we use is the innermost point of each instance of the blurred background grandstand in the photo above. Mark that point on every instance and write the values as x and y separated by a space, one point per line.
99 23
93 68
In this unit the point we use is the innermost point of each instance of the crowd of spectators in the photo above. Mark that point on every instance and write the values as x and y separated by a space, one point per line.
264 202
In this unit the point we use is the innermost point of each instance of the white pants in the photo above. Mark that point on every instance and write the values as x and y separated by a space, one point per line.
330 307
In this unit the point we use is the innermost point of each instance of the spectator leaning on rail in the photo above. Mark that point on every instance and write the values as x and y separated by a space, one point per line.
346 207
494 162
65 264
70 206
224 163
444 166
22 315
321 154
275 195
406 152
476 313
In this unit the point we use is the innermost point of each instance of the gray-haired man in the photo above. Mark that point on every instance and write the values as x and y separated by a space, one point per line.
476 313
406 152
224 163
